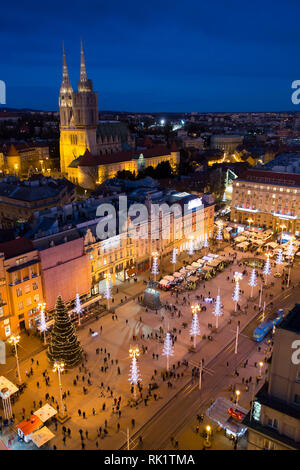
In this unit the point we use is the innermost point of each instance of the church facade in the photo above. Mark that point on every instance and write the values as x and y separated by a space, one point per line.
92 151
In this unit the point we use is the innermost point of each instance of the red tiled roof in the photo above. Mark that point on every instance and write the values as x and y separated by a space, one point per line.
16 247
288 179
174 147
93 160
88 159
29 425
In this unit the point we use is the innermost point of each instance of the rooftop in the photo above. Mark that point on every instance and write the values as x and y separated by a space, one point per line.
16 247
292 321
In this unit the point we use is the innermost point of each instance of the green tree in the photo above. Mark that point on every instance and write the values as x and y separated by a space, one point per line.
64 345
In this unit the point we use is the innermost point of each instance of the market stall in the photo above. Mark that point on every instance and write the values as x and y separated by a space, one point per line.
42 436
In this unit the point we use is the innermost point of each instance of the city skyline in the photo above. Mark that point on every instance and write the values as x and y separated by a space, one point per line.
168 58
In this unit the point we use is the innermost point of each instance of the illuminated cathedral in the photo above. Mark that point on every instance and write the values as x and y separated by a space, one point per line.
92 151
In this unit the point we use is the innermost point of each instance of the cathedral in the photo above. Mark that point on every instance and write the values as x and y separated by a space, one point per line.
92 151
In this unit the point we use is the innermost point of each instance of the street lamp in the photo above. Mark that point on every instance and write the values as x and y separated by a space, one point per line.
14 339
260 367
59 367
237 392
43 326
250 221
208 433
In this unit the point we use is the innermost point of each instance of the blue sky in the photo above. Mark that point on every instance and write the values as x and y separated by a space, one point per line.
154 56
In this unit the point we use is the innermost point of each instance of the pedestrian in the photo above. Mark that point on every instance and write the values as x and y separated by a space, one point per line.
79 412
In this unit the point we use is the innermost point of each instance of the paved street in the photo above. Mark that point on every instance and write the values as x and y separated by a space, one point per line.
131 320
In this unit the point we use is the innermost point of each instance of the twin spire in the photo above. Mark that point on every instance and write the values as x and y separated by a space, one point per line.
83 75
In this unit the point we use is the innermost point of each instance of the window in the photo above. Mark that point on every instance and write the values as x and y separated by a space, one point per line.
19 292
27 289
36 298
297 399
28 301
20 305
273 423
298 376
34 285
269 445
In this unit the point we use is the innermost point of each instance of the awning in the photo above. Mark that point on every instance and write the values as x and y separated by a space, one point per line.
8 386
196 265
164 282
42 436
177 275
218 412
169 278
193 278
190 268
45 412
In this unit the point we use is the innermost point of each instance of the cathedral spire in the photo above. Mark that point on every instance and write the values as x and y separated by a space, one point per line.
65 68
83 76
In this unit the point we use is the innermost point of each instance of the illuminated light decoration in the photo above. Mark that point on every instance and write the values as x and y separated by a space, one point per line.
174 257
236 293
195 327
134 375
252 280
194 203
218 308
206 243
219 235
78 308
168 349
267 266
43 325
155 269
279 259
191 247
107 292
246 209
290 250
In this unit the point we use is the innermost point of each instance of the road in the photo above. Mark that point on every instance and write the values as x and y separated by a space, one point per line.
189 401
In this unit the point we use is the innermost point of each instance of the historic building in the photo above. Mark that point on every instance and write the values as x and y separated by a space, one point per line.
21 288
269 198
91 151
274 420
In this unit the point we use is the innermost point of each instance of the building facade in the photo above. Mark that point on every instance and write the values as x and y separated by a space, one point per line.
21 286
91 151
270 199
274 422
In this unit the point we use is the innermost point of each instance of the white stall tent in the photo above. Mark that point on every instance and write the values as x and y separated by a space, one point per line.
45 413
177 275
169 278
41 436
5 383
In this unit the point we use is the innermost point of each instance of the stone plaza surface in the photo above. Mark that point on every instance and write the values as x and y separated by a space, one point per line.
117 336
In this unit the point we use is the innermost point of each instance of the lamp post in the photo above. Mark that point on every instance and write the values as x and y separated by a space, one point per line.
237 393
59 367
260 368
237 337
43 325
208 434
191 246
290 254
14 339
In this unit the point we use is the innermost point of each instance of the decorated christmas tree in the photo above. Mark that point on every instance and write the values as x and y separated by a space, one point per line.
279 259
64 345
174 257
195 328
219 236
206 243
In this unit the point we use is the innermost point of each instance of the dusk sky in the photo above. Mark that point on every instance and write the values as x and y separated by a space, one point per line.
154 56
